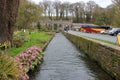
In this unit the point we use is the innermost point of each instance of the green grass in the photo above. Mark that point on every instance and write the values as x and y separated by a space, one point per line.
113 43
36 39
105 41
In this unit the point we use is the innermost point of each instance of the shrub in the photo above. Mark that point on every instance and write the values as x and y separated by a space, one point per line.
24 36
41 42
20 37
4 45
38 26
17 43
9 68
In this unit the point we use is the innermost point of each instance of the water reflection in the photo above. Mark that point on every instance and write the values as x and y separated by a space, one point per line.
94 68
33 74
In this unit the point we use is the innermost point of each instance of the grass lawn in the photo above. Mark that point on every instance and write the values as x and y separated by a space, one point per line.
36 39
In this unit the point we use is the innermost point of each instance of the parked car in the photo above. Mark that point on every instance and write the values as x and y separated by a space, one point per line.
114 31
104 31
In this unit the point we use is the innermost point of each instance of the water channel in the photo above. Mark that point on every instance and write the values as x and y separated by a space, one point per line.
63 61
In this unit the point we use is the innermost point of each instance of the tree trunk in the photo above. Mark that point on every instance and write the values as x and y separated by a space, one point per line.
8 14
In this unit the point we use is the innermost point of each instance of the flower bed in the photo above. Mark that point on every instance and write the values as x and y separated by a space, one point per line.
24 59
28 60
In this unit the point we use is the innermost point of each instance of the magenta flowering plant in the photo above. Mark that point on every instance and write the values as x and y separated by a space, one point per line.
28 59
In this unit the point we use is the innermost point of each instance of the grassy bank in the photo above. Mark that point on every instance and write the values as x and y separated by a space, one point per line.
36 39
25 56
113 43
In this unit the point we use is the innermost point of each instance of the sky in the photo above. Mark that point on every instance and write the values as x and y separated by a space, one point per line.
102 3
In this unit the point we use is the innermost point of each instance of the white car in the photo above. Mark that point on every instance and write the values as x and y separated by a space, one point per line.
104 31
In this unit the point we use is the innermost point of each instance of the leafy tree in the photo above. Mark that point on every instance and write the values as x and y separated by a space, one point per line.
28 16
109 13
116 22
100 20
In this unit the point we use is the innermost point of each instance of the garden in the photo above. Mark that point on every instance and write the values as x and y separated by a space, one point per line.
26 53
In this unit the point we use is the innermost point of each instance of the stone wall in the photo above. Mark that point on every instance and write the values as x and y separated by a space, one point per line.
107 55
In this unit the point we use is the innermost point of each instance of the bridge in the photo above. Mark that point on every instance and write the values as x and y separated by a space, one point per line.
56 24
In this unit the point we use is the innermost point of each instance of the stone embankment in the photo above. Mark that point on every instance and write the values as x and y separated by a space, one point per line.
106 55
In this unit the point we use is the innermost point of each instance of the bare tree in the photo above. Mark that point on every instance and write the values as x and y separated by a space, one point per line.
61 11
66 8
89 10
76 8
45 6
50 9
79 11
71 10
56 5
8 14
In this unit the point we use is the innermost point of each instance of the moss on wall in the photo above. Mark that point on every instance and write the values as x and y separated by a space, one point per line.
106 56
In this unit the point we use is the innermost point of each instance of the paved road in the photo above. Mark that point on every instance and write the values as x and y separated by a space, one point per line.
97 36
63 61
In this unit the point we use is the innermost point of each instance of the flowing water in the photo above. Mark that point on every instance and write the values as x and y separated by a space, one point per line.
63 61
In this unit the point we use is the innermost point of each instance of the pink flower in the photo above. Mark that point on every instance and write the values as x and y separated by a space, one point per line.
28 59
32 57
20 66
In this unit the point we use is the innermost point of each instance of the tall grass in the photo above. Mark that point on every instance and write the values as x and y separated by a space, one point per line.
8 68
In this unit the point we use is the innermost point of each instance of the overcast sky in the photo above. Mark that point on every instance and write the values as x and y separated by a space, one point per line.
102 3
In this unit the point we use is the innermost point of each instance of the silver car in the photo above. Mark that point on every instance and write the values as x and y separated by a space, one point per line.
114 31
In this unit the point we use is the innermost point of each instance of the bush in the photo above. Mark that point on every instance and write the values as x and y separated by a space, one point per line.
17 43
20 37
38 26
24 36
29 59
9 68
